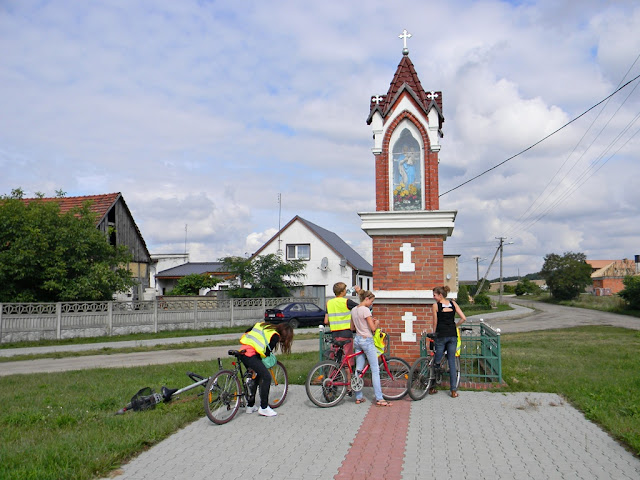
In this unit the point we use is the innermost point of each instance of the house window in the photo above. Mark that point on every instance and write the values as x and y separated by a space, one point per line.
299 252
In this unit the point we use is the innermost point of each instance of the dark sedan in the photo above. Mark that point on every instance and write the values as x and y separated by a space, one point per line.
296 314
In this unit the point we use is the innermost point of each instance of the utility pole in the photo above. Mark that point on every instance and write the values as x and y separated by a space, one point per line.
502 244
477 270
500 247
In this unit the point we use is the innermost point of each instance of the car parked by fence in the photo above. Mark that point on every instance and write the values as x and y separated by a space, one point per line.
296 314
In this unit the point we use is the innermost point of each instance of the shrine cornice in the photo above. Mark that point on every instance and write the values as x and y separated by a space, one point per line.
421 222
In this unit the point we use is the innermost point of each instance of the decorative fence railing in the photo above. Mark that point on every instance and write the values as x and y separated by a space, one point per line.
480 356
35 321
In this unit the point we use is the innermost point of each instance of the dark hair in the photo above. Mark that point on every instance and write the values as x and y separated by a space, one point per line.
442 290
286 337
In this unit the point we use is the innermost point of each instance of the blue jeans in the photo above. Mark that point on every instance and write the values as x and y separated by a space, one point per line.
365 344
449 344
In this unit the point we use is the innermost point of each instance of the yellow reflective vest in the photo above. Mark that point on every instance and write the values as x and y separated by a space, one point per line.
255 338
339 314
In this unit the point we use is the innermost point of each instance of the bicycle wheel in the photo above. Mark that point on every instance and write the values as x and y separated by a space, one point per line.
420 378
444 368
395 382
326 384
279 385
222 397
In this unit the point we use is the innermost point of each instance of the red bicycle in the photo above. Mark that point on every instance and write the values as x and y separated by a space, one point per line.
327 382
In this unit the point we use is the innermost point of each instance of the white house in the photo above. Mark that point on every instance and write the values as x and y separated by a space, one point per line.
328 258
159 263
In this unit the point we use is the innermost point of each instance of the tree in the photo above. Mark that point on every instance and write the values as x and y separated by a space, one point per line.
241 268
482 299
267 275
526 287
631 292
192 284
473 289
567 275
463 295
46 256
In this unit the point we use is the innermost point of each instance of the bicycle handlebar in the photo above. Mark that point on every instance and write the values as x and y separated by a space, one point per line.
236 353
434 335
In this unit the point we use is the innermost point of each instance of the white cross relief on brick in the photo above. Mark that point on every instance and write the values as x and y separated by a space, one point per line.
408 335
406 265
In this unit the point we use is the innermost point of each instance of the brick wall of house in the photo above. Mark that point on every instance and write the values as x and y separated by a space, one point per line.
615 284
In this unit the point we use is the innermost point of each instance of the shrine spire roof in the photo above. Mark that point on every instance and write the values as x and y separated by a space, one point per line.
406 79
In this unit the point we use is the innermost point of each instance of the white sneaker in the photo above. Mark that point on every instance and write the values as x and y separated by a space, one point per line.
267 412
252 409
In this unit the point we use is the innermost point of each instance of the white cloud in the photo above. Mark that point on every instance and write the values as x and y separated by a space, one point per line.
201 113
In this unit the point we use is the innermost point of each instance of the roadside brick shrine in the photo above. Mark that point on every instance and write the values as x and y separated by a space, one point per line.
407 229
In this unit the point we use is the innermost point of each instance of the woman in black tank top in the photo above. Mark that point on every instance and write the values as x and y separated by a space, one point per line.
445 312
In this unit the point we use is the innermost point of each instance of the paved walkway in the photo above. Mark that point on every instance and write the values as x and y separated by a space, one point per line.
491 436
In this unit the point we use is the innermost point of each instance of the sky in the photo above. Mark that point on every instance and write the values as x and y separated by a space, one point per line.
203 114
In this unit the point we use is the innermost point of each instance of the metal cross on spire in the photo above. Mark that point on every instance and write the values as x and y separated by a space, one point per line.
404 36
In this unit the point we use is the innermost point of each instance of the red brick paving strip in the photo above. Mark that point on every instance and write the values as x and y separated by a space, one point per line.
377 452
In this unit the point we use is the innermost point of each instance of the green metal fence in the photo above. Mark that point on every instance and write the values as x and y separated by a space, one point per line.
480 357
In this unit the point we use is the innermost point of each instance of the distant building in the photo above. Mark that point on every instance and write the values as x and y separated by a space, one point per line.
114 219
327 257
608 275
167 279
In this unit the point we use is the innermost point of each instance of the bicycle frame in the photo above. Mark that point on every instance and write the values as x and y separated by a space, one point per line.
328 381
226 391
345 363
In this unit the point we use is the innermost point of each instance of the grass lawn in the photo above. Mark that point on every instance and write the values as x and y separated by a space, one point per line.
594 368
62 425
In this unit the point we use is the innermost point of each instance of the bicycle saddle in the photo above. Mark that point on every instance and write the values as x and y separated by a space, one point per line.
340 343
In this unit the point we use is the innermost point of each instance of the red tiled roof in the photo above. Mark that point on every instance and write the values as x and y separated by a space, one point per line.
598 264
100 204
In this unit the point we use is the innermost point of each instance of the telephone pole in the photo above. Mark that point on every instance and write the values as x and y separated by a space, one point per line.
502 244
477 270
502 239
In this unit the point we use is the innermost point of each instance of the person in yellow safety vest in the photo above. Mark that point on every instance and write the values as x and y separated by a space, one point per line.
258 342
338 317
447 329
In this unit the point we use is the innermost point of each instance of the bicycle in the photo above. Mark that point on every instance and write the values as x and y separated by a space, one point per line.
227 390
424 375
326 383
146 398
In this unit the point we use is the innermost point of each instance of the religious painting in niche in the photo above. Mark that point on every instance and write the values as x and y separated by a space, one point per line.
407 174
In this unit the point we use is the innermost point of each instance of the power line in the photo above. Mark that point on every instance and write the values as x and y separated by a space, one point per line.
566 193
543 139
